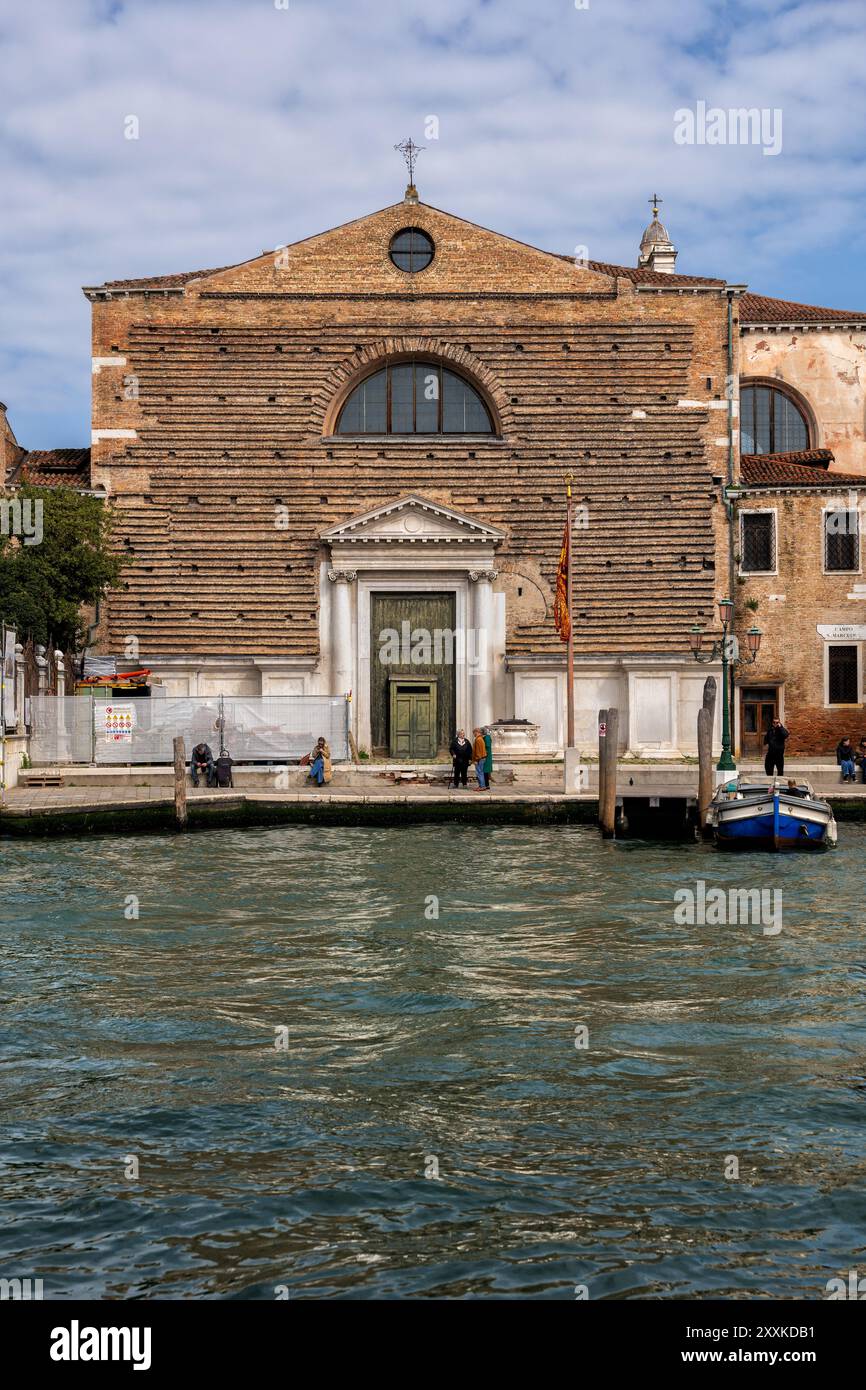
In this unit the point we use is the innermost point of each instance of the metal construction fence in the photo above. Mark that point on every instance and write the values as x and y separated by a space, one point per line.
93 729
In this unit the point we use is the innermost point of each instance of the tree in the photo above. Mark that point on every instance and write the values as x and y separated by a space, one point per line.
56 557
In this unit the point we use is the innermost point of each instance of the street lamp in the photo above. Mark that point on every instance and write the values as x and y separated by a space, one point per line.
729 651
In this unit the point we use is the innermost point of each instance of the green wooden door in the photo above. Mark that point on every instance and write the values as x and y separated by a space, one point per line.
413 719
412 635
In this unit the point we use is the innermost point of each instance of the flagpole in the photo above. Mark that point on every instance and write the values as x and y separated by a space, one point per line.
569 703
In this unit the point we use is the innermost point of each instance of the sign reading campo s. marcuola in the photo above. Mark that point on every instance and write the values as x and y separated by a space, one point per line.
842 632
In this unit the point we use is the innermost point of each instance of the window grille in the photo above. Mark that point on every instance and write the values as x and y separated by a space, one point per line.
841 540
758 542
842 667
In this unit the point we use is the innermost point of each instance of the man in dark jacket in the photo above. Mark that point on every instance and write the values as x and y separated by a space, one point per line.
774 738
845 759
461 752
201 761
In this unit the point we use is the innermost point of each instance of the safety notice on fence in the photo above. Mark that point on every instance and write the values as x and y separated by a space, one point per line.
115 722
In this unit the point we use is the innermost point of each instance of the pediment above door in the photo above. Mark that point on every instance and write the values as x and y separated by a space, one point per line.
413 520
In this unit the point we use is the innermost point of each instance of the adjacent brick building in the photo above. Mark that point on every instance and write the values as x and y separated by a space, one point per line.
799 547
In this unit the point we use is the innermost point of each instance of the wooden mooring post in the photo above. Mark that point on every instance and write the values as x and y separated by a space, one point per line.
180 783
607 751
602 735
706 720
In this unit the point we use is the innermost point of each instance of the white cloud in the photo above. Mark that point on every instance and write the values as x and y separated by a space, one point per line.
260 126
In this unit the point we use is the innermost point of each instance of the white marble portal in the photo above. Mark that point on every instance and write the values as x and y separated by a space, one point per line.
410 546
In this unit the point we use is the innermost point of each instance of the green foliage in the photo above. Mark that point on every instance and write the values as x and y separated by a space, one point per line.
44 586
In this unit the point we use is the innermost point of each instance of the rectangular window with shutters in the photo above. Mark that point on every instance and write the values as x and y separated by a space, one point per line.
843 683
758 542
842 541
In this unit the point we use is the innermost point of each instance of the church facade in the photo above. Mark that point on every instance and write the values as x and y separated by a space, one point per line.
340 467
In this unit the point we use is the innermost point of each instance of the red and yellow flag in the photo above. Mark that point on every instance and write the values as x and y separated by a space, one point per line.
561 615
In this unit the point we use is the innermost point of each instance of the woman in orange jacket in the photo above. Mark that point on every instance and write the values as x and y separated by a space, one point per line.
479 753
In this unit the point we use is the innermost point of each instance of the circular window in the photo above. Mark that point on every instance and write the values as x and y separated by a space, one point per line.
411 250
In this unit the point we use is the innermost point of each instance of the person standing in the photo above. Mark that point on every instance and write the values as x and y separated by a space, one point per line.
845 759
775 738
479 753
461 754
488 757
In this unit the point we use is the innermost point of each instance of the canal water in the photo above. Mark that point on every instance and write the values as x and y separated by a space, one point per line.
287 1044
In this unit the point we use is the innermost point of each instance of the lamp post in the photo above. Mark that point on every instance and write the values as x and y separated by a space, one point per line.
728 650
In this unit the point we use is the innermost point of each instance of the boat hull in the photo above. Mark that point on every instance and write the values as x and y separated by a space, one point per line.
774 823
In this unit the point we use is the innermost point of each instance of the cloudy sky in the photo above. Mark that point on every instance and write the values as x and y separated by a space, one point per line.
263 121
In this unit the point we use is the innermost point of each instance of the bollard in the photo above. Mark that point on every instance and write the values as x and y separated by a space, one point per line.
602 739
607 806
180 782
706 719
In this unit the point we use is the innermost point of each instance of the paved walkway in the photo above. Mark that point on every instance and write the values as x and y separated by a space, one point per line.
29 801
39 800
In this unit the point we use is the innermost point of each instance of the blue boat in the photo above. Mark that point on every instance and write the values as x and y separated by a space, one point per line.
773 814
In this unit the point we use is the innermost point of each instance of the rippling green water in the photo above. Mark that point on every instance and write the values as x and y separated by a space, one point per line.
412 1038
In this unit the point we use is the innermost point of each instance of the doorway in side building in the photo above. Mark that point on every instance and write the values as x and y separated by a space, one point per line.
759 706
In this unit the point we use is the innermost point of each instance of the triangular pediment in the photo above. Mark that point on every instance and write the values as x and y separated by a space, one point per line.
415 520
353 259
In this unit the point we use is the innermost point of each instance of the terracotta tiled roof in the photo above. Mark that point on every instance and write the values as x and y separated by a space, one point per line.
806 468
760 308
52 468
639 275
162 281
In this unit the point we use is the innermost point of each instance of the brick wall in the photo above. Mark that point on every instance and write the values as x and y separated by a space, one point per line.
237 376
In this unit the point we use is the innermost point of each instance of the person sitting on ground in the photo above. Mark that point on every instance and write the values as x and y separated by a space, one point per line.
223 770
845 759
479 753
320 763
461 754
201 761
861 758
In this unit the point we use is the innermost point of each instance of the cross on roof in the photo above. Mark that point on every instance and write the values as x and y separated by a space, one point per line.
410 151
655 200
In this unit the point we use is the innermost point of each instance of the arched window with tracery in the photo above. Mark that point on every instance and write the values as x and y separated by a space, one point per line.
772 422
415 397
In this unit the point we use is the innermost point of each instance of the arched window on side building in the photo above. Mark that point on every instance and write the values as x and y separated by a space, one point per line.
771 421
